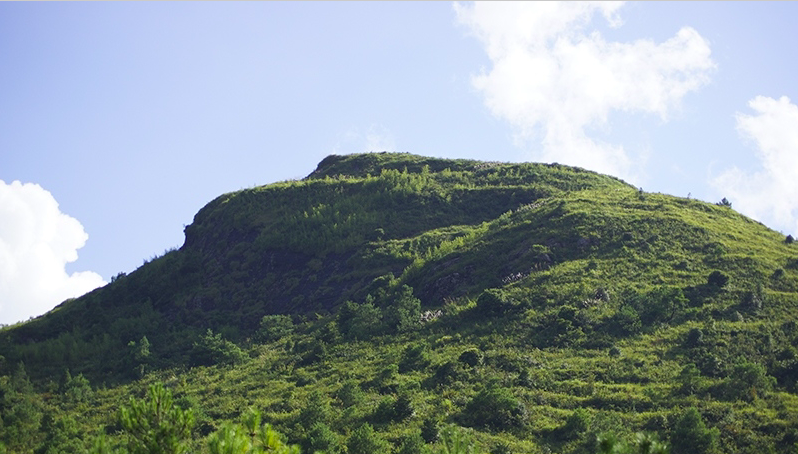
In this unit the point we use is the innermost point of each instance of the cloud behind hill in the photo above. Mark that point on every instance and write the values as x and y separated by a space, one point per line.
769 194
37 240
554 78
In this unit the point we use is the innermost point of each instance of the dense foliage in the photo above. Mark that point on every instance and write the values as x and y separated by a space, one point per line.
391 302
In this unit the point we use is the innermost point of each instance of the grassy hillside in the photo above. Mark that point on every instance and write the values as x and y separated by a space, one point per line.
536 306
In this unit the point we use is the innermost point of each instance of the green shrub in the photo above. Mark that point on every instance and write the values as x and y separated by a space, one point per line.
501 448
316 410
274 327
77 388
316 352
360 321
403 407
64 436
414 357
454 440
471 357
446 374
212 349
365 441
494 301
495 408
248 438
717 279
138 358
689 379
429 430
562 329
576 424
626 321
695 337
691 436
412 444
350 394
661 305
404 311
751 301
748 381
642 443
394 409
322 439
384 413
154 426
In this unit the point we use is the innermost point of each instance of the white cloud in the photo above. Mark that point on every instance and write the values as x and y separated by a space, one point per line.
554 79
36 243
377 138
769 195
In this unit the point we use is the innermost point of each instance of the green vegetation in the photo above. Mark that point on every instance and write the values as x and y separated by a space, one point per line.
396 303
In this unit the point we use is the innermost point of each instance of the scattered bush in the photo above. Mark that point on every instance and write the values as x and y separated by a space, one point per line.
752 300
212 349
501 448
454 440
394 409
154 425
250 437
316 351
322 439
412 444
446 374
359 321
691 436
365 441
494 301
689 380
404 311
642 443
695 337
429 430
748 381
274 327
495 408
77 388
576 424
717 279
350 394
626 321
414 357
602 295
471 357
661 305
316 410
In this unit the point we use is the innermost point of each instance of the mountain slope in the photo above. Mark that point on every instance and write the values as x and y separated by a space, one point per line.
292 247
547 287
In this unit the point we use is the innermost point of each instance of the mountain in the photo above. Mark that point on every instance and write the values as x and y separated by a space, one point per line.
455 284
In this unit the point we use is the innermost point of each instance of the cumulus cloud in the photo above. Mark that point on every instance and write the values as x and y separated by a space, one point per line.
376 138
36 243
769 195
555 79
379 138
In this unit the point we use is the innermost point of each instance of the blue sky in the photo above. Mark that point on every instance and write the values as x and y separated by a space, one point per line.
118 121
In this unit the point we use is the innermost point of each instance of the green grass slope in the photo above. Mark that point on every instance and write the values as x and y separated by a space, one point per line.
537 306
